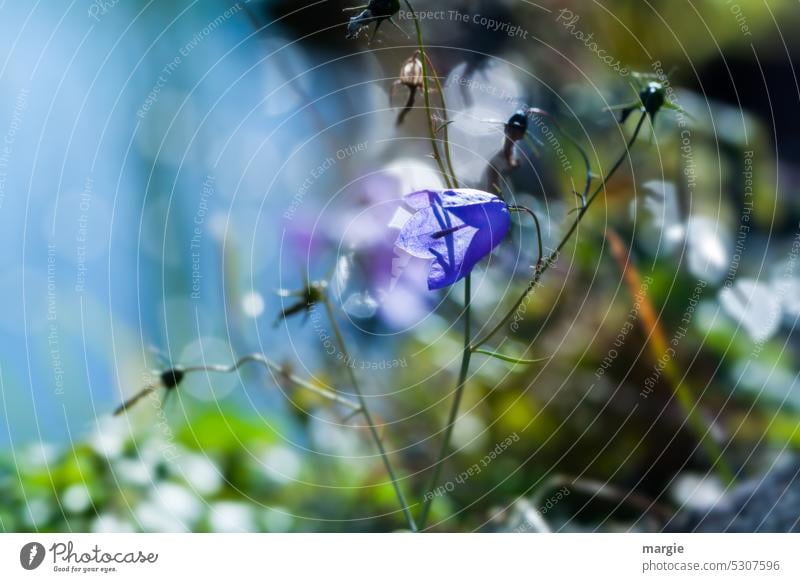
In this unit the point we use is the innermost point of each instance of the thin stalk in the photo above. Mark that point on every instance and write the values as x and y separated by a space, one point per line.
412 94
223 369
552 257
278 369
445 124
453 416
368 417
448 178
535 218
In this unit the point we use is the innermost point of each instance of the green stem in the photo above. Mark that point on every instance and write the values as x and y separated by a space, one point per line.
448 177
453 416
535 218
445 125
507 358
552 257
368 417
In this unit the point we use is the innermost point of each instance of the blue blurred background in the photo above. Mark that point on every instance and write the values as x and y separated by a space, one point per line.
166 167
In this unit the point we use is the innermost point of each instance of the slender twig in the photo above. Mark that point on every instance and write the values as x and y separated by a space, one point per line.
552 257
445 127
535 218
278 369
412 93
376 437
149 389
223 369
453 416
448 178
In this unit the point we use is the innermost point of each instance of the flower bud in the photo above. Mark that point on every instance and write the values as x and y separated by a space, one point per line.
171 378
517 126
411 71
652 98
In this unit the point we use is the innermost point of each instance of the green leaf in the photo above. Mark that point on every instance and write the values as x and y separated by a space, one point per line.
506 358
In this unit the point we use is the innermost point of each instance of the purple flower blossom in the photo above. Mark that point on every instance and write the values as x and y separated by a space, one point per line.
455 228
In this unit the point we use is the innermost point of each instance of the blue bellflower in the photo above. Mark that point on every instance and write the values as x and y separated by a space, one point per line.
454 228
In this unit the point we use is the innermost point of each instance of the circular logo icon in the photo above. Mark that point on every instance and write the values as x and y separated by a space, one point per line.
31 555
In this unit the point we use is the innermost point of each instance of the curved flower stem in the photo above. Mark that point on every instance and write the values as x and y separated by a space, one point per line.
453 416
278 369
448 176
553 257
255 358
368 417
535 218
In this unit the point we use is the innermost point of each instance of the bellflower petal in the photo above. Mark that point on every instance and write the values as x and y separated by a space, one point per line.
453 228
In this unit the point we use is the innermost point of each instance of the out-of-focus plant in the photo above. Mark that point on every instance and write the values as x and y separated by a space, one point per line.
454 228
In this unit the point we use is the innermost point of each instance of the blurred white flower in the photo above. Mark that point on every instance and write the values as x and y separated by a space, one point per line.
769 382
38 456
200 473
232 517
695 491
413 175
277 520
110 523
134 472
179 502
152 517
787 286
662 228
281 464
329 436
755 306
76 498
707 255
253 304
469 434
38 513
109 436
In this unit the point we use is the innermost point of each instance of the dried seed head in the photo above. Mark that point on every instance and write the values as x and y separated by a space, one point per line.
517 126
653 97
307 298
171 378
